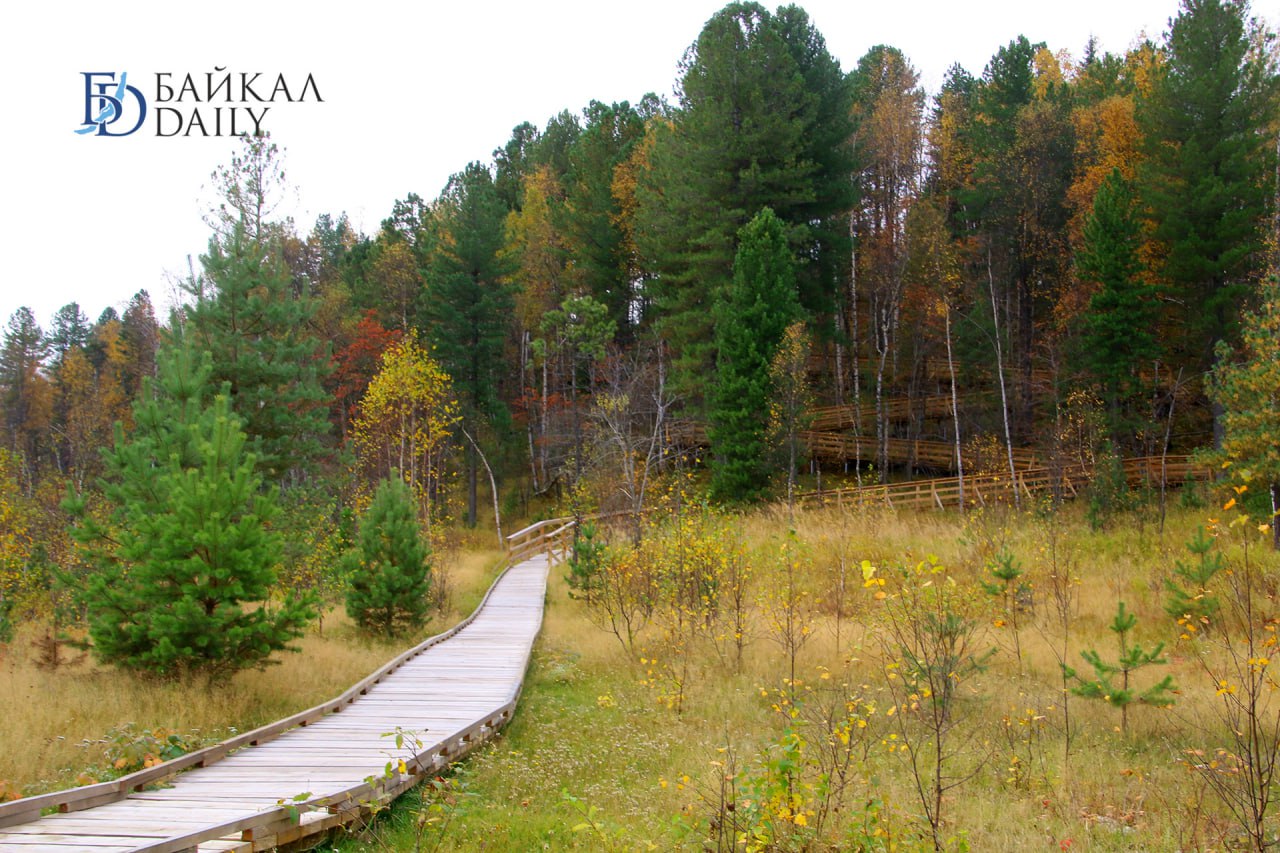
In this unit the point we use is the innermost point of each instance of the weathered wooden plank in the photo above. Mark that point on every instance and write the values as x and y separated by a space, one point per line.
54 844
104 829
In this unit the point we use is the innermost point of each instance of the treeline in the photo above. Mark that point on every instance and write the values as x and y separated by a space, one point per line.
1058 245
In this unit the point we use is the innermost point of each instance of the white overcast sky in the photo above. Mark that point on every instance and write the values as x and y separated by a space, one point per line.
412 91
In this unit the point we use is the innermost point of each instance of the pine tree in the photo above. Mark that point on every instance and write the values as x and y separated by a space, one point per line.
512 162
1191 603
258 335
1119 333
469 305
25 394
70 331
592 214
750 322
389 568
1248 390
763 122
185 565
1130 659
140 334
1209 175
108 319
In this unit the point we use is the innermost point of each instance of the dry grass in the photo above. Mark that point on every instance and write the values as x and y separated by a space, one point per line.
55 722
589 726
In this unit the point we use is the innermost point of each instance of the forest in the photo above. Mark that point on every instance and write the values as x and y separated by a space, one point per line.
789 283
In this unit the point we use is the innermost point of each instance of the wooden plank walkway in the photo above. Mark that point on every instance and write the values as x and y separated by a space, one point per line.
327 766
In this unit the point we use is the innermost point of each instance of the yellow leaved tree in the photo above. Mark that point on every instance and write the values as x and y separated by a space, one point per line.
405 423
15 542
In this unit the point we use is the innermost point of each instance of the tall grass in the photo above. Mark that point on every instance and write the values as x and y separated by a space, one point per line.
593 761
57 723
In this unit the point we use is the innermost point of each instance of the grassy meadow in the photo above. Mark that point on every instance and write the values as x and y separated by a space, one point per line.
777 694
599 758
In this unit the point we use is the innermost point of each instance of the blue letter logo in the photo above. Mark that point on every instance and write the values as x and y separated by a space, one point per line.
104 103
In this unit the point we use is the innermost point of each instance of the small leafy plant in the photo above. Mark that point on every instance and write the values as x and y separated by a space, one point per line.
129 750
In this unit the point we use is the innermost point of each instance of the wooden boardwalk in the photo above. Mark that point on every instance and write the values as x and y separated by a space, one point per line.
327 766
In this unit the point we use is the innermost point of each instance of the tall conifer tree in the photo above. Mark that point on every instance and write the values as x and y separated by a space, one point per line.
1119 336
258 334
469 305
763 122
25 395
759 305
1209 176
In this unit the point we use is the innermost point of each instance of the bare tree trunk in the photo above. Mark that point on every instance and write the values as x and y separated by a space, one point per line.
882 433
853 338
413 451
839 357
577 422
655 451
542 453
524 372
1275 516
791 471
473 473
955 408
493 485
1164 448
1004 398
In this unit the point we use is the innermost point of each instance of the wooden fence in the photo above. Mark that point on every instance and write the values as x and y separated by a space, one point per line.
981 490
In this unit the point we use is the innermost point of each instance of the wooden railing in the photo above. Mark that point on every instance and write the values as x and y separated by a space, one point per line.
846 447
828 418
843 447
551 537
937 369
980 490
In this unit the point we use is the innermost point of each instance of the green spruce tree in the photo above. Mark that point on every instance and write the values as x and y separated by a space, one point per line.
23 349
1131 659
757 308
389 569
186 562
70 331
1119 336
1191 602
